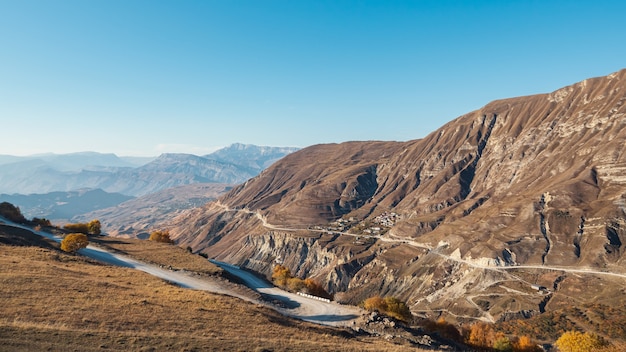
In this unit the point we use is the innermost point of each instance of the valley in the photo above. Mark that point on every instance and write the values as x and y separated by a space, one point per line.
268 176
188 306
499 267
512 215
504 213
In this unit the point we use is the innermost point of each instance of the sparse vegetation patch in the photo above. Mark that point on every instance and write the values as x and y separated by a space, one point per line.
390 306
160 236
283 278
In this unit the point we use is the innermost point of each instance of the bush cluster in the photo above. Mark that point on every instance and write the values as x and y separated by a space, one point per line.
90 228
160 236
283 278
390 306
483 337
575 341
73 242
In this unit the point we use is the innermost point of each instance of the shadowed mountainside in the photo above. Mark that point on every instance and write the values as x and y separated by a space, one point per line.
63 205
140 216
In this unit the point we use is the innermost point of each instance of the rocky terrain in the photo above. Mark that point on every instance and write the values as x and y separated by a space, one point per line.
509 211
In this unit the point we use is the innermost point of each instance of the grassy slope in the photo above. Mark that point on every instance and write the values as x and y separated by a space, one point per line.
54 301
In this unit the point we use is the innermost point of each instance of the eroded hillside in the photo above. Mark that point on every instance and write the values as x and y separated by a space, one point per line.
508 211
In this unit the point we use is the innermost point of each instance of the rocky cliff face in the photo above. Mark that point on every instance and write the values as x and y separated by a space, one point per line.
487 217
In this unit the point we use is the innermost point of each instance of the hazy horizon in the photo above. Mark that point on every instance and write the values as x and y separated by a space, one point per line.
138 156
145 77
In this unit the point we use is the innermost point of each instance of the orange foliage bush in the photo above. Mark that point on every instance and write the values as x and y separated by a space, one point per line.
80 228
93 227
390 306
480 335
90 228
374 303
314 288
160 236
282 277
295 284
525 344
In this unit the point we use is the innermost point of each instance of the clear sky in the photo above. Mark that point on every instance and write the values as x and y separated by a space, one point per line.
137 77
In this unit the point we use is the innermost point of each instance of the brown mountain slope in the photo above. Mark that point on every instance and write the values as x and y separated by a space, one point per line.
469 220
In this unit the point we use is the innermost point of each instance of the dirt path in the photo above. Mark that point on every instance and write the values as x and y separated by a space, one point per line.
430 248
308 309
295 306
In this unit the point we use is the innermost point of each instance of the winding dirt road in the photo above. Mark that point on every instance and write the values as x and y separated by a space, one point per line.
292 305
308 309
430 249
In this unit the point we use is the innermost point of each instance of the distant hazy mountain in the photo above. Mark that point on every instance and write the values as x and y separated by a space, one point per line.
139 216
132 176
78 161
252 156
63 205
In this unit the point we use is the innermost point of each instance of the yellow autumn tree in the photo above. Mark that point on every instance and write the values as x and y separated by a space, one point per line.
90 228
295 284
94 227
73 242
525 344
281 275
315 288
576 341
375 303
390 306
78 228
160 236
481 335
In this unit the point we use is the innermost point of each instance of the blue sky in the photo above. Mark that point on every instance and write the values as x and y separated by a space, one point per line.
138 77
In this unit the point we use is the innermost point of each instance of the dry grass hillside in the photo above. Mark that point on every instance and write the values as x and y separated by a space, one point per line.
52 301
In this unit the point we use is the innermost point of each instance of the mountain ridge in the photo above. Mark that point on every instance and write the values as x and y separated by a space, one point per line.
68 172
528 181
